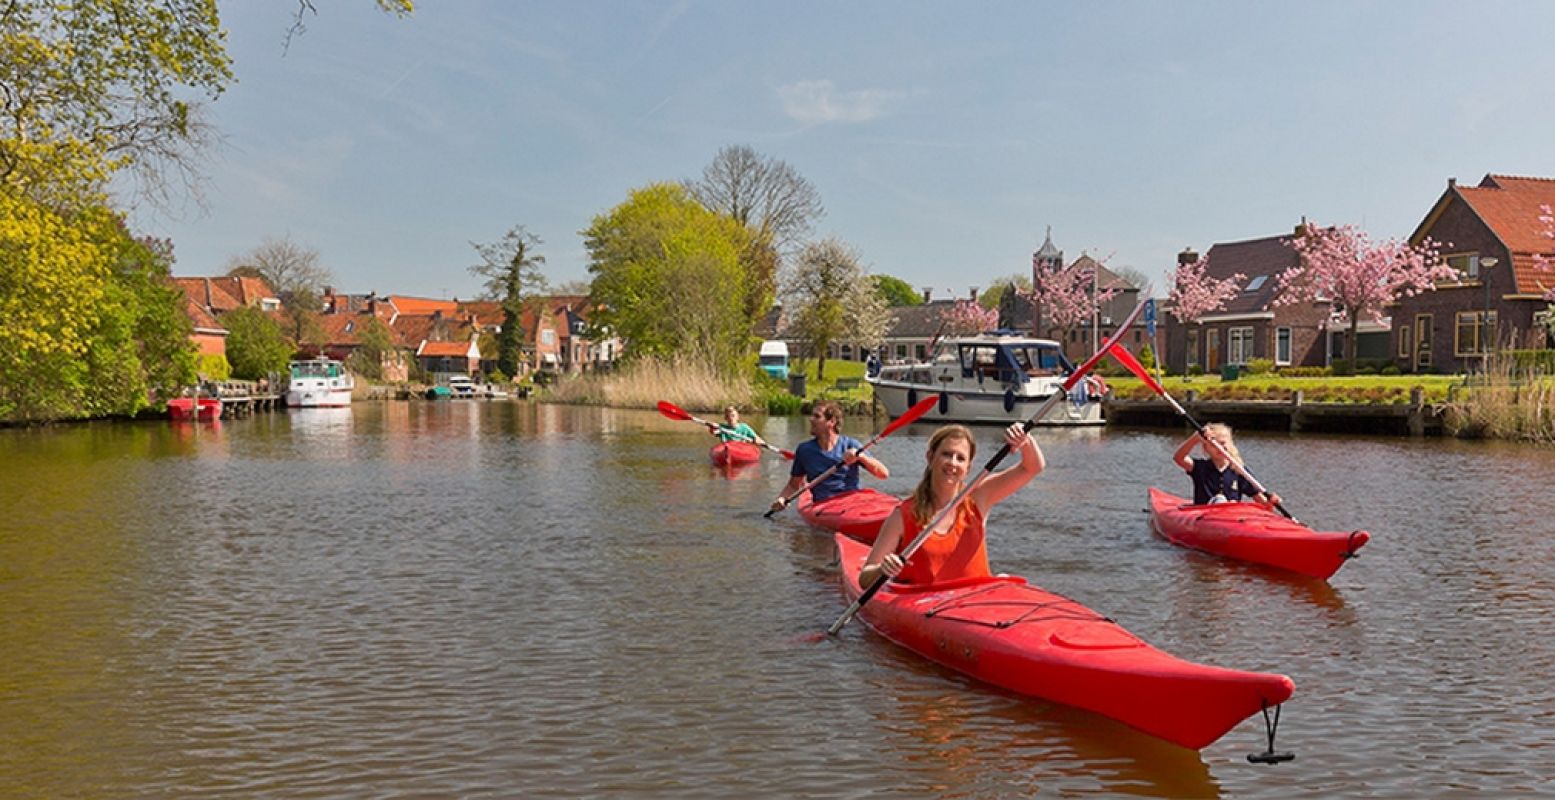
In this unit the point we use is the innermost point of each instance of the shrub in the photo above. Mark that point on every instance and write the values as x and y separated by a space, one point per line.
1259 366
783 404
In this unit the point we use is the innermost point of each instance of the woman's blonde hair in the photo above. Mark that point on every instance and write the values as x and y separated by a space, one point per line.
923 495
1223 431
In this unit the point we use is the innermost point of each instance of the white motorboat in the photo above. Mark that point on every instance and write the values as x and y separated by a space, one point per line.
997 377
319 382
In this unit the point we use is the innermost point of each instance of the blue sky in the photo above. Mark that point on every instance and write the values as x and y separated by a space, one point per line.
943 137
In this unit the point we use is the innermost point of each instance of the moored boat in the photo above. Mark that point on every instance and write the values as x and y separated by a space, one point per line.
1250 532
858 514
998 376
734 454
1012 634
319 382
187 408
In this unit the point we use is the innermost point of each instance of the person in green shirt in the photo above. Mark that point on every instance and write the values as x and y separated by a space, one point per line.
733 430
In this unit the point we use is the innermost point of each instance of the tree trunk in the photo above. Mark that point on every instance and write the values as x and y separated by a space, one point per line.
820 364
1352 345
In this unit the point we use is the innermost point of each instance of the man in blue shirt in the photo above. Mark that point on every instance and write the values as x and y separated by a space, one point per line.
828 449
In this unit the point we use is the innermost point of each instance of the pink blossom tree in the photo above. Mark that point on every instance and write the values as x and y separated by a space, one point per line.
1062 296
1195 294
1342 265
1546 263
968 317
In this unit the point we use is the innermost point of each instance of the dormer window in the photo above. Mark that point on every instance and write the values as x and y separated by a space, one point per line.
350 326
1256 283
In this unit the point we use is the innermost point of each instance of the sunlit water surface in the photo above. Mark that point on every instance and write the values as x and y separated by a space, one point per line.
512 600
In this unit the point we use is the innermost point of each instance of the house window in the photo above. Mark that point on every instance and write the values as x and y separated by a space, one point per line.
1239 345
547 336
920 352
1193 348
901 352
1473 333
1256 283
1282 345
1403 341
269 304
847 352
1467 265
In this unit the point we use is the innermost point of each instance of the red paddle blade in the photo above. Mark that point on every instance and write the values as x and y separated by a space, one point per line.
788 454
1128 360
1101 352
673 411
910 416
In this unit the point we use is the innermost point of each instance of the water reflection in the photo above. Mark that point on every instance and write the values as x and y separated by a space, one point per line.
508 599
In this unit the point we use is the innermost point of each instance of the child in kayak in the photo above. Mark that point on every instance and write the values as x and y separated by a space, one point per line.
733 430
827 449
1215 480
956 549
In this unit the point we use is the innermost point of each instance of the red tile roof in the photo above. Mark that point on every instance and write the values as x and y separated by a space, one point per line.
445 349
1510 206
422 305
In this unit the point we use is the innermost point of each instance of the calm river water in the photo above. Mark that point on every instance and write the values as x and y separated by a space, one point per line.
512 600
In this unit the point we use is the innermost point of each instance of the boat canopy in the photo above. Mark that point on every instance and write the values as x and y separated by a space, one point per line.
1012 361
320 368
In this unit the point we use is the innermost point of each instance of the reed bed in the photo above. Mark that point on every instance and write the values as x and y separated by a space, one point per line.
688 383
1504 402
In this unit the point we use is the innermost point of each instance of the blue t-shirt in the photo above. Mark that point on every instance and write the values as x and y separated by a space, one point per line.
1209 481
810 461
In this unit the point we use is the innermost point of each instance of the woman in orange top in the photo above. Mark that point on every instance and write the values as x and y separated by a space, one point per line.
956 547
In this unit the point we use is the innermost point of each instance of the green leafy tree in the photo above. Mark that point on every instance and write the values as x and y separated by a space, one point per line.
511 267
994 296
834 300
895 291
89 322
668 277
375 345
303 307
256 345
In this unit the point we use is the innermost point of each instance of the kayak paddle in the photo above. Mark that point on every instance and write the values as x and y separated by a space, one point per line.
1052 400
908 417
1128 360
673 411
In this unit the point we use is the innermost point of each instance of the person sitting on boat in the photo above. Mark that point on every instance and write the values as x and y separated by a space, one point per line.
827 449
956 548
1215 479
733 430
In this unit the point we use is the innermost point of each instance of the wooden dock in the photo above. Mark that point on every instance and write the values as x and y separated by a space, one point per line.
1415 418
241 398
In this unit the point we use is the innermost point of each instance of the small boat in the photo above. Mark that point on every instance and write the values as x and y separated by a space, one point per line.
319 382
1012 634
734 454
1250 532
183 409
438 393
858 514
998 376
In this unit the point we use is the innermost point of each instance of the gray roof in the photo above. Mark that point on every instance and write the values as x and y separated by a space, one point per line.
918 322
1268 257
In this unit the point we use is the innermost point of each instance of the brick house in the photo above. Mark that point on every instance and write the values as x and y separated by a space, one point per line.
206 299
1249 326
1500 305
450 358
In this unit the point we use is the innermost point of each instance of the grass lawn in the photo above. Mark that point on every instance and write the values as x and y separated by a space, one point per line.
1333 389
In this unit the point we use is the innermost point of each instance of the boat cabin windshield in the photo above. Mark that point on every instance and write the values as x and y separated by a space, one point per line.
1012 362
315 369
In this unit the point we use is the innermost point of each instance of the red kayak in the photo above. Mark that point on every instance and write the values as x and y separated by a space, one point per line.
1009 633
1250 532
858 514
733 454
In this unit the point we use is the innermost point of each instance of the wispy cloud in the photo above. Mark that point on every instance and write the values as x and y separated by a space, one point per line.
819 102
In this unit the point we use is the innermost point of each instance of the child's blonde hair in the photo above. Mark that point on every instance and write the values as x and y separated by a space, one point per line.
1220 430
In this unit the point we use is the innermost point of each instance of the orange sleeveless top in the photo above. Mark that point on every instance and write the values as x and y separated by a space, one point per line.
958 553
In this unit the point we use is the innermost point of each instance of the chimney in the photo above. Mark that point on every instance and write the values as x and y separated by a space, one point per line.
1302 228
1452 183
1186 257
928 294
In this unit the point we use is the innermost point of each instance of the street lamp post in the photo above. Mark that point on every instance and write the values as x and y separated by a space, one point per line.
1484 321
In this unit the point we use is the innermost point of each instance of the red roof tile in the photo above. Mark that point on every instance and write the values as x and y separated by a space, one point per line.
445 349
422 305
1510 206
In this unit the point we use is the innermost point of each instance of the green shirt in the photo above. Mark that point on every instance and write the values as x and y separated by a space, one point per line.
739 433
